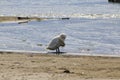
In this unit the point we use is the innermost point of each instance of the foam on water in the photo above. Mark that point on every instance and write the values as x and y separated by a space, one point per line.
75 15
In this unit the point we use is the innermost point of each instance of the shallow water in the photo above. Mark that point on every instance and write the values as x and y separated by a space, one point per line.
58 8
83 35
93 28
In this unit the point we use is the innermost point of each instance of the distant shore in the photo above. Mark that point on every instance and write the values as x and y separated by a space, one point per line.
25 19
17 18
32 66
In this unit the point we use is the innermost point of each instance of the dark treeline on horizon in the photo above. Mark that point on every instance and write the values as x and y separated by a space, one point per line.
115 1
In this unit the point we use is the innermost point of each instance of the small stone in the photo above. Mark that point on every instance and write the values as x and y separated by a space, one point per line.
39 44
66 71
82 73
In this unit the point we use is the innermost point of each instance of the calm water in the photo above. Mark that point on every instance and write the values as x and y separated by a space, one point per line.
94 27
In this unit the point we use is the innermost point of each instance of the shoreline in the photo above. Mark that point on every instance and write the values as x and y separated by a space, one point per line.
66 53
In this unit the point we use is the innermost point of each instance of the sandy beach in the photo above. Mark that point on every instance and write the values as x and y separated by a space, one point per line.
31 66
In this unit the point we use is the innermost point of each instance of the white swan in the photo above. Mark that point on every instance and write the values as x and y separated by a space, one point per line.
56 42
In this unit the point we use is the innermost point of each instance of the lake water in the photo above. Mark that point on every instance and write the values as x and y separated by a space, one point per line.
93 27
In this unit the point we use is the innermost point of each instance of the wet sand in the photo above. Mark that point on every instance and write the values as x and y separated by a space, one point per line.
32 66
